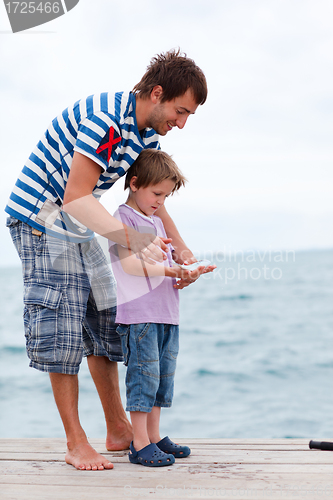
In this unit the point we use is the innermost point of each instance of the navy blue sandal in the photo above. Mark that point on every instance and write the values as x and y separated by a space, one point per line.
150 456
176 450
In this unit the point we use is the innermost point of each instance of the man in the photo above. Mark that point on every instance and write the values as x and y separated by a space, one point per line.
69 294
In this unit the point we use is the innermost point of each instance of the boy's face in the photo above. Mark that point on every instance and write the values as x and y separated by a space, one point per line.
149 199
173 113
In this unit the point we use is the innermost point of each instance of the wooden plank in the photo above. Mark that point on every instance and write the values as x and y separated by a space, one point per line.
201 457
61 448
56 448
189 441
59 443
43 492
62 469
178 478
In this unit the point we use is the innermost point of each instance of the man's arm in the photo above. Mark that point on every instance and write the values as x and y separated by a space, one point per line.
83 206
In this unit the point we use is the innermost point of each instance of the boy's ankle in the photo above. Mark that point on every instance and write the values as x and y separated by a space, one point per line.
140 444
155 438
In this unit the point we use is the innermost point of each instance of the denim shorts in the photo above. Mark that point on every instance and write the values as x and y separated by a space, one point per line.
150 352
69 300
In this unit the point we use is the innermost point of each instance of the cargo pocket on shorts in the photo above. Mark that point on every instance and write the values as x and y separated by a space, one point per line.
147 343
41 321
123 332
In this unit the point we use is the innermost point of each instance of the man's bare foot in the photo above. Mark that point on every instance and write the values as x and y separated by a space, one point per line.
84 457
120 439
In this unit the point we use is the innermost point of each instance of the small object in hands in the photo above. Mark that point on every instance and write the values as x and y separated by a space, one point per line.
321 445
195 265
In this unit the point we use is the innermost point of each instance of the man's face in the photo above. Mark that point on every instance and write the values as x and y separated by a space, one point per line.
173 113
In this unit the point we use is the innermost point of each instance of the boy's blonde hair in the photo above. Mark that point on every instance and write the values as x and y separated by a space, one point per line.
153 166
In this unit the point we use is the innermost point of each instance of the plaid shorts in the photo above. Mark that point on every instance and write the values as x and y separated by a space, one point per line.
69 300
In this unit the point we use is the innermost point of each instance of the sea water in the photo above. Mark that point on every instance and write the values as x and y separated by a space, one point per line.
256 355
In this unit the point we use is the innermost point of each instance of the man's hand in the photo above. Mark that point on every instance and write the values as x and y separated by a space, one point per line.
147 246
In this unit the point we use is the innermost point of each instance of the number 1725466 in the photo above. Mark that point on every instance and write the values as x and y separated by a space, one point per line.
33 7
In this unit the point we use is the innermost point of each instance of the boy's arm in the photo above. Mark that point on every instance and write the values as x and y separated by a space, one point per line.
133 265
182 252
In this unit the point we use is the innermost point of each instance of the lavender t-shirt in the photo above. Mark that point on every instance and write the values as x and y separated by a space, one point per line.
144 299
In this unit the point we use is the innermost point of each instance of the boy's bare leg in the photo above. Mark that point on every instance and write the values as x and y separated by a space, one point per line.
105 375
146 427
139 423
80 454
153 424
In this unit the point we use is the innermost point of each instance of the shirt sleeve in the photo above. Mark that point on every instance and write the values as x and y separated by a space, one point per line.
99 139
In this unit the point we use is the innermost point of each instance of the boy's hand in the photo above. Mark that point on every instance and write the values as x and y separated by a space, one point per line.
193 276
177 272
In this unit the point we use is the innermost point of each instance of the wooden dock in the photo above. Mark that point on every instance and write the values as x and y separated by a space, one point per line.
232 469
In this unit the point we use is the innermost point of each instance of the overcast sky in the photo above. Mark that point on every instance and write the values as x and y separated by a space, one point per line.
258 155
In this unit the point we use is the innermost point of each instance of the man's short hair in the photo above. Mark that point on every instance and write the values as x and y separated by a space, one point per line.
175 73
153 166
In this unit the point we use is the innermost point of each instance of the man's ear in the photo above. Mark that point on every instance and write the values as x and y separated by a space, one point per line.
156 94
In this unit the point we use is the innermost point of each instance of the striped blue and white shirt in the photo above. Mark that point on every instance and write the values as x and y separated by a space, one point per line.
102 127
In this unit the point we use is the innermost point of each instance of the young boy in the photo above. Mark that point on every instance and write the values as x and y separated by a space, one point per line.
148 309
